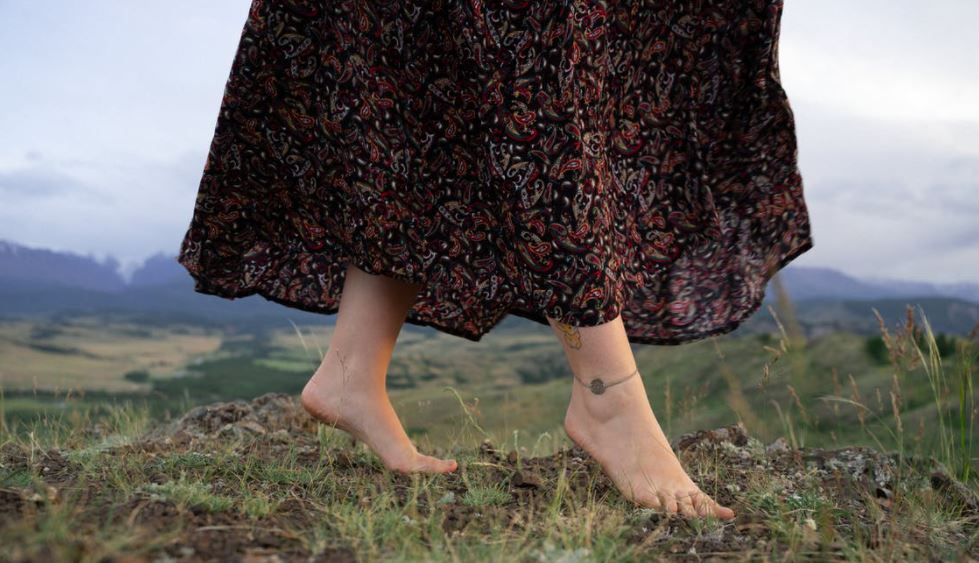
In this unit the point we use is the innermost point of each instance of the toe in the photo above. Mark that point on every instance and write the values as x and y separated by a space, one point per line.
437 465
707 506
650 500
668 502
722 511
702 503
685 502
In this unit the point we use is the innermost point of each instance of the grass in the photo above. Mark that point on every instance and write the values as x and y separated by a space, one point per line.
495 494
184 493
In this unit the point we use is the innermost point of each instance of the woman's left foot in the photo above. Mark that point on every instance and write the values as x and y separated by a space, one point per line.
618 428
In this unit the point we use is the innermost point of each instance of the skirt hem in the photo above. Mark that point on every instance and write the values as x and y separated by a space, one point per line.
205 288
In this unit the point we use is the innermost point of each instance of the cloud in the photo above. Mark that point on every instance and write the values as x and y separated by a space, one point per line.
40 181
141 206
886 198
902 59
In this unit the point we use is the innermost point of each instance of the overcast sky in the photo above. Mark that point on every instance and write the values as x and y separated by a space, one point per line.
108 107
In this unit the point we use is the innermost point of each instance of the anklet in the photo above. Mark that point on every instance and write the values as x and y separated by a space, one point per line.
597 386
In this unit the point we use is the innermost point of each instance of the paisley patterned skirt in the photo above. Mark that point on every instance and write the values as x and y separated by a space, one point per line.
572 159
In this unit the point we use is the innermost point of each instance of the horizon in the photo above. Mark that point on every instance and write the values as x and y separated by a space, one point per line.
128 275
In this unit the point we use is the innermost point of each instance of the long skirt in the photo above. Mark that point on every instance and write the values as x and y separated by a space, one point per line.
573 159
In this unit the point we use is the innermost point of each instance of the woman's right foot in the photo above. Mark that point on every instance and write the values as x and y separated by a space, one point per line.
359 405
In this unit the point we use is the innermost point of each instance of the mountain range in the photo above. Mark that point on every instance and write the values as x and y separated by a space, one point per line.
38 280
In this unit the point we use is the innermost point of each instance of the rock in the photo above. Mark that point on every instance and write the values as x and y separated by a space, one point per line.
269 413
779 445
860 463
525 480
253 426
736 434
956 491
487 448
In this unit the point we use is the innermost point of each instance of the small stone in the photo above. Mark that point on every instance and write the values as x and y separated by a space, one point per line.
526 480
779 445
488 449
253 426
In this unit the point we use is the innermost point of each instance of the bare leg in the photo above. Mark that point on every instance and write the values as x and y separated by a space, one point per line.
348 390
618 427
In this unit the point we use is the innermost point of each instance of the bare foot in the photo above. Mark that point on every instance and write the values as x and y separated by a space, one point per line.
618 428
358 404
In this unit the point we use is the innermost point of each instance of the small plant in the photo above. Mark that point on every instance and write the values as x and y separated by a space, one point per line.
258 506
486 495
189 493
15 478
808 502
180 461
706 526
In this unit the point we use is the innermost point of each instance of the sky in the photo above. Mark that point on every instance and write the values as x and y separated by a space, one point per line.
107 108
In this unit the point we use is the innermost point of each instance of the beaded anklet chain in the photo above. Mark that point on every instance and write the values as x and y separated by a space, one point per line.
598 386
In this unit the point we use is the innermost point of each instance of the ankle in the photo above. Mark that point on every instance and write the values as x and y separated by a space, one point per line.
350 373
598 408
615 401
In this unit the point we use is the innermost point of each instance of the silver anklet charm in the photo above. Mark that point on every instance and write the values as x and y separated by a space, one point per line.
597 386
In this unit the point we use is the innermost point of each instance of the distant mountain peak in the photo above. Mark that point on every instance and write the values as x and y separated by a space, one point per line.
23 264
20 263
160 268
7 247
808 282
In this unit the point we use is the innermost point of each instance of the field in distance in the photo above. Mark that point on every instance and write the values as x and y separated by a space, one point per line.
834 388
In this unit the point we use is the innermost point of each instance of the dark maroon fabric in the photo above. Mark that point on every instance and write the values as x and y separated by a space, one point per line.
579 159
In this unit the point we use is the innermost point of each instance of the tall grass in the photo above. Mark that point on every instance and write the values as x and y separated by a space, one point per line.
919 377
952 387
